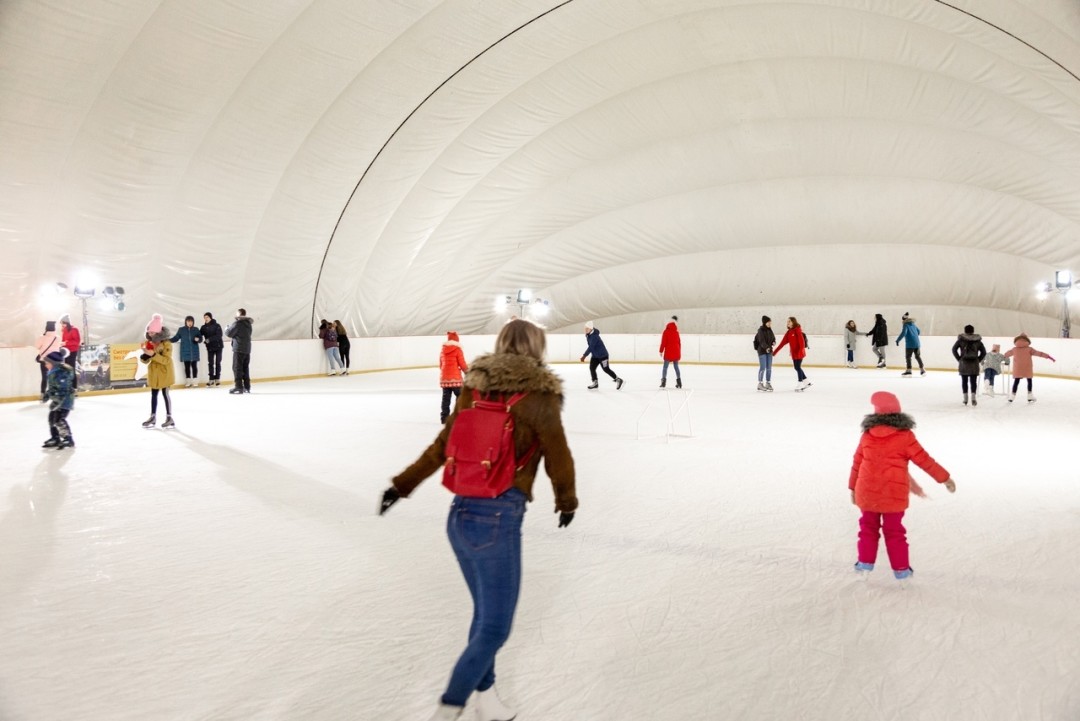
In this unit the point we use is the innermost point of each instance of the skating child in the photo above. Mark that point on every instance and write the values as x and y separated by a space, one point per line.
451 365
880 483
157 354
1022 367
991 368
60 393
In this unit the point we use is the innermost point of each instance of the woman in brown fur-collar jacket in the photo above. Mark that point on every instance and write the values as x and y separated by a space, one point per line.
485 533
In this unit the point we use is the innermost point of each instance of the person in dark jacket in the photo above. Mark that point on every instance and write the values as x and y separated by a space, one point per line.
328 335
969 351
189 340
240 333
879 338
912 345
600 356
485 533
344 345
211 335
764 341
60 393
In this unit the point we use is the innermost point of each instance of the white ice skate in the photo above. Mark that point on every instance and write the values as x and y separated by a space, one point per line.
489 707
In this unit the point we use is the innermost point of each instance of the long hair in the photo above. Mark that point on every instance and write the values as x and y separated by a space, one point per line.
794 321
340 329
522 337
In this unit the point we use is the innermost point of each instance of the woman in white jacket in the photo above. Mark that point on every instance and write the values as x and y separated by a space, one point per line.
851 337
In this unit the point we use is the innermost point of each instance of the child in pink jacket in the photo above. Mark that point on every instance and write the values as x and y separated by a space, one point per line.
1022 367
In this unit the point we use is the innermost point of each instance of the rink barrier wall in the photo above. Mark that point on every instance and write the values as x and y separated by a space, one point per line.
276 360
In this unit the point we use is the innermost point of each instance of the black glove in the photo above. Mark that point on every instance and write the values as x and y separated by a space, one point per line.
389 497
565 518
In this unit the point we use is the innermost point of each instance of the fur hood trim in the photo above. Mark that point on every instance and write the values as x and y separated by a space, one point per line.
451 343
510 373
162 335
969 337
899 421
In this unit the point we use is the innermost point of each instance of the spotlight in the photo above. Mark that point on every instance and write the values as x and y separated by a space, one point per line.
109 291
524 296
119 290
1063 279
83 292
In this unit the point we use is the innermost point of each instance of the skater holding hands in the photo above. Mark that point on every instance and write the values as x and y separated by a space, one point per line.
880 483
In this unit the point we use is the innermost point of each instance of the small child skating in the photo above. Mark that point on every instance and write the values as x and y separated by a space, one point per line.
1022 367
880 483
991 368
451 365
60 393
600 357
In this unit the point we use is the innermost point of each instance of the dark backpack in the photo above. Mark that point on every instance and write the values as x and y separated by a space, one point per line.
970 352
480 460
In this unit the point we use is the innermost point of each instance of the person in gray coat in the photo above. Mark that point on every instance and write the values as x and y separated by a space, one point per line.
851 339
240 333
969 351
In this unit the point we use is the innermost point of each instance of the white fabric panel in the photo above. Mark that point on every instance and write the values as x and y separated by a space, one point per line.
618 158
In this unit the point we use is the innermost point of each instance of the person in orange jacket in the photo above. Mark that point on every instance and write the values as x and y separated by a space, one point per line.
451 366
880 483
671 351
795 339
1022 367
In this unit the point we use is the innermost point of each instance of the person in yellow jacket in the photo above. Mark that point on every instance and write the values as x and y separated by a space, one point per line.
160 375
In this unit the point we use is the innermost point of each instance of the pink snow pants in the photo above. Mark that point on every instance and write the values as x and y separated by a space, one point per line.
895 538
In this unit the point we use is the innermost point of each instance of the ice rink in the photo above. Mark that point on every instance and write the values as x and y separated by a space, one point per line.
235 568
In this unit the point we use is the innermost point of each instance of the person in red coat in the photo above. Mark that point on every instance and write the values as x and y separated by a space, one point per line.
671 351
451 366
795 339
70 339
880 483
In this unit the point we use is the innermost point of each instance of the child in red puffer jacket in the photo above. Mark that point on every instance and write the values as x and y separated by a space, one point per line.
880 483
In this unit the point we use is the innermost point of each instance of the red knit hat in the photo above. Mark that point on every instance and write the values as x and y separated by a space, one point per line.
885 403
452 335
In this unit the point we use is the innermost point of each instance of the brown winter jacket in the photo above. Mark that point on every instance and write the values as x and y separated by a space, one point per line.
537 417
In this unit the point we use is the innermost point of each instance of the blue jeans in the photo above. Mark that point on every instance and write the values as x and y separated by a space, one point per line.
850 355
663 374
764 371
485 534
333 359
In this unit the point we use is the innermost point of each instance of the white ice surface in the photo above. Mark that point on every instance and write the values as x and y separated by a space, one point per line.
235 568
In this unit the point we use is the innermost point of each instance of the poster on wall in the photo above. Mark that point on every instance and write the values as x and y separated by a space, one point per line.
126 370
93 367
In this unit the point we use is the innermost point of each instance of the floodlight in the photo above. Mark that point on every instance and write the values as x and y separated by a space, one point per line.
84 292
120 305
1063 279
119 290
109 291
61 288
524 296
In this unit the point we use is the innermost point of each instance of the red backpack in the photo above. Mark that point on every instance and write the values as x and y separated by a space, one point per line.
480 459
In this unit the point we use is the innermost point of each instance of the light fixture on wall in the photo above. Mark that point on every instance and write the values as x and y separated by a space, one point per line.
1063 284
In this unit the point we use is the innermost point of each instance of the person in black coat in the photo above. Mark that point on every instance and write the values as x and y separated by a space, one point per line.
879 336
212 339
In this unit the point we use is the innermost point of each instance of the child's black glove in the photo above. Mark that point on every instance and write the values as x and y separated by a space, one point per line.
389 497
565 518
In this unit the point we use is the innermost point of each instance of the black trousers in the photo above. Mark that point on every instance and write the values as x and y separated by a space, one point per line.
70 361
241 366
446 393
213 363
603 363
1016 384
908 352
153 400
343 348
191 369
44 373
58 426
972 380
